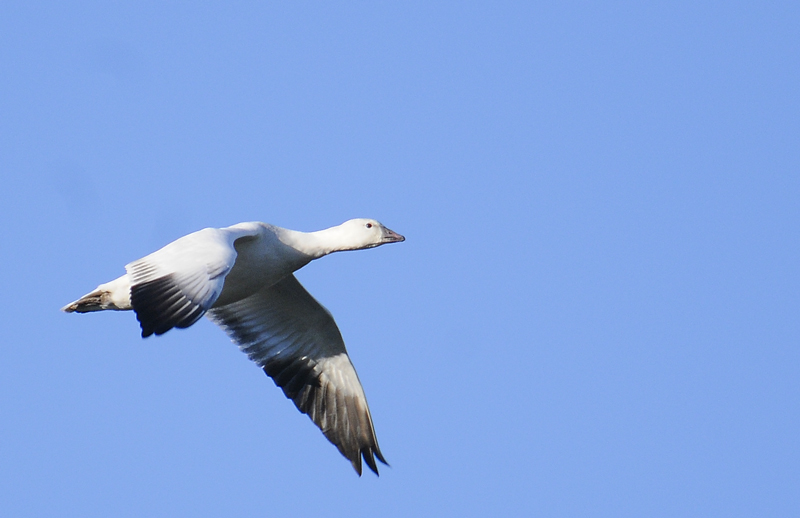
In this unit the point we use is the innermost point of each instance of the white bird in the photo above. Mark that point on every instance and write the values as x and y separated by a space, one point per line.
242 277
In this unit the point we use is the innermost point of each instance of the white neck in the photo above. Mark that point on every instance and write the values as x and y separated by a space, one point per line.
316 244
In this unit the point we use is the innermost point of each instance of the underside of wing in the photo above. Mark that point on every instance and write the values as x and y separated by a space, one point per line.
297 343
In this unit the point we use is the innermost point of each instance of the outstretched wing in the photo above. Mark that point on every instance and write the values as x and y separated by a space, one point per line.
297 343
175 286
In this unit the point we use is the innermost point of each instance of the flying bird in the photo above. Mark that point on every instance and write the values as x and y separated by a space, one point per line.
241 277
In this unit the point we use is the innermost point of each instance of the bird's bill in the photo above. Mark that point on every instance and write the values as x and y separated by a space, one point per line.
390 236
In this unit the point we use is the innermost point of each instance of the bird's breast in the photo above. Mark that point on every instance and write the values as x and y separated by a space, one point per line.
258 266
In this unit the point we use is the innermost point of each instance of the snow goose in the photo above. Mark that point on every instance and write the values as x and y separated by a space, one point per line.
242 278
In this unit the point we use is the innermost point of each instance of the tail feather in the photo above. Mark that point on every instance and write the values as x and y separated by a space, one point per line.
114 295
98 300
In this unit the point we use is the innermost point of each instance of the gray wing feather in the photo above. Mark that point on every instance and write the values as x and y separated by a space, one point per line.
297 343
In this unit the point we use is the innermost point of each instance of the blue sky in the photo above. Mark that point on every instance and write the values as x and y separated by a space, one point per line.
595 312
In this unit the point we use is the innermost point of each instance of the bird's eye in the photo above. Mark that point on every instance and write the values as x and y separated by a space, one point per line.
369 225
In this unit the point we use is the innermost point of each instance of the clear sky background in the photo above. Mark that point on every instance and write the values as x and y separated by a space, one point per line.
595 312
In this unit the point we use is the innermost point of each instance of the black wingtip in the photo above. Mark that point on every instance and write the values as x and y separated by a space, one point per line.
369 455
160 306
379 456
370 460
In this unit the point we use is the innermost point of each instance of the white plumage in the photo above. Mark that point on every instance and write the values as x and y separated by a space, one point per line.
242 278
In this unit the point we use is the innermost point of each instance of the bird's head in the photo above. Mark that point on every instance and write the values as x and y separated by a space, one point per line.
361 233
